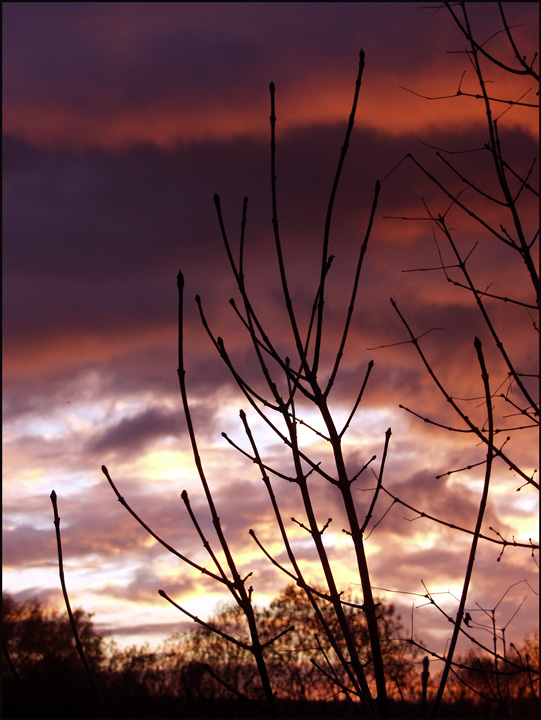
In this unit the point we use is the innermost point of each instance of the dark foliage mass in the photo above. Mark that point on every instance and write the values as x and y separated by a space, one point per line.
42 675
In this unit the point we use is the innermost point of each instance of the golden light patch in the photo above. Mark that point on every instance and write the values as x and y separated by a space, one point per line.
165 464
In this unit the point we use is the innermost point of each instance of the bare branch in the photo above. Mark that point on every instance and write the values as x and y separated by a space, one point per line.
73 624
212 628
477 531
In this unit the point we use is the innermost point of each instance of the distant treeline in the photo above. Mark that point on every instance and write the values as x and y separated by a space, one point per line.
202 674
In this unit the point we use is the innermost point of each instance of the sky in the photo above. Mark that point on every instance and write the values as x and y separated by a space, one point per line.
120 123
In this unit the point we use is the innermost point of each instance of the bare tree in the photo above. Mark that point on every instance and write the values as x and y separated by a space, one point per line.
297 374
501 211
303 377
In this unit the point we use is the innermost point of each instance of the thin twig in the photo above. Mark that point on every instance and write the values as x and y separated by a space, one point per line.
477 532
73 624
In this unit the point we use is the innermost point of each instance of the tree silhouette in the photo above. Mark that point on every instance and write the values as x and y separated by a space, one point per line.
301 661
499 209
173 680
40 668
297 384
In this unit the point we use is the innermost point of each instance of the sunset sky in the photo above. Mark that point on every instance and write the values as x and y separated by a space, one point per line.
120 122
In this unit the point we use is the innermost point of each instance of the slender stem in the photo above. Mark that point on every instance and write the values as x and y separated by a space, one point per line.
433 518
359 684
351 307
358 400
358 544
151 532
204 624
206 544
278 243
243 597
326 235
477 532
495 151
524 70
252 321
379 483
73 624
473 428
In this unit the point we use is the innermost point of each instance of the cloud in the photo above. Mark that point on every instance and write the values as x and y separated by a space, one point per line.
96 257
121 122
146 629
137 431
106 77
25 544
144 585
